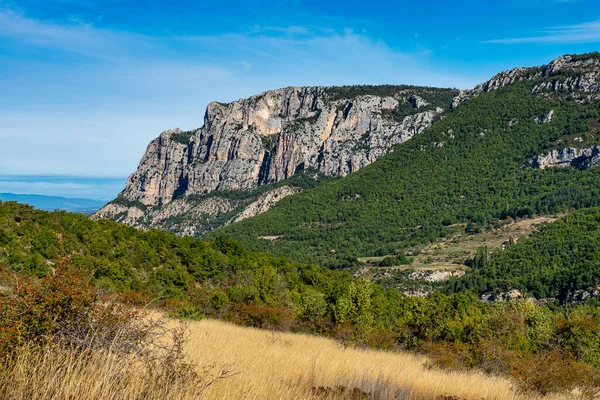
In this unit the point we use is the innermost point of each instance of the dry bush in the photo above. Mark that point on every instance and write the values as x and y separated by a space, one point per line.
263 316
61 373
61 340
552 372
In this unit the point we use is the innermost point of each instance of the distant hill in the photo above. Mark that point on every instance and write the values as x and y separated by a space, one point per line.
51 203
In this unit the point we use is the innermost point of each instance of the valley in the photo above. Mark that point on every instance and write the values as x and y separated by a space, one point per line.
449 256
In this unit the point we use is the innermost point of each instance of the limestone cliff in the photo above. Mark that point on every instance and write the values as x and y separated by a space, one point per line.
268 138
570 156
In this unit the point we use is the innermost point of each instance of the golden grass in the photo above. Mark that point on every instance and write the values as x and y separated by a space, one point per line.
269 366
58 374
287 366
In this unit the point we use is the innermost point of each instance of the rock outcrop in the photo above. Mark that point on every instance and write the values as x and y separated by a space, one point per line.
266 201
570 156
544 119
268 138
567 75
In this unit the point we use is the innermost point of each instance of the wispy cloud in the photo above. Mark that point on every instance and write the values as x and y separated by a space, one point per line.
588 32
101 95
75 36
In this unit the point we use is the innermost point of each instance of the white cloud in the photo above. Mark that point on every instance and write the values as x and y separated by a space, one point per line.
588 32
75 37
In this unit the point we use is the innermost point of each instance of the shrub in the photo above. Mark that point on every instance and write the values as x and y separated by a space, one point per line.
265 316
57 333
553 372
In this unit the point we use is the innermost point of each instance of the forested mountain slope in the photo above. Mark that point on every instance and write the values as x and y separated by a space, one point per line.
476 164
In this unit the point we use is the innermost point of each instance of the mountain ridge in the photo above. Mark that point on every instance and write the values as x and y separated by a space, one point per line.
51 203
269 138
473 165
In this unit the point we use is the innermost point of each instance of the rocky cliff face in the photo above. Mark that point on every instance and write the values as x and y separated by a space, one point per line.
567 76
268 138
570 156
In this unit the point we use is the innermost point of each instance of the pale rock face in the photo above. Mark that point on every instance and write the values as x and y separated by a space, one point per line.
584 75
267 138
164 162
265 202
570 156
119 213
262 140
545 118
192 218
417 101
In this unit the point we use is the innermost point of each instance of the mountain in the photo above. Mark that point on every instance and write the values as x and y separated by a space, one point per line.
478 163
243 159
523 143
50 203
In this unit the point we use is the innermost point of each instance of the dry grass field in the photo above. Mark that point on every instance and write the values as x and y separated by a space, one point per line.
261 364
291 366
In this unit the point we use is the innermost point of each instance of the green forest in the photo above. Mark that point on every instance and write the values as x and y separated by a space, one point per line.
192 278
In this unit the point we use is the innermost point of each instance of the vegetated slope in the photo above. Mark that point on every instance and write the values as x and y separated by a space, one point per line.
126 259
557 261
473 165
267 139
192 278
197 214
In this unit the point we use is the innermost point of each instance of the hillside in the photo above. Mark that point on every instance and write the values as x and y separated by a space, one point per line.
476 164
291 366
184 180
560 260
45 258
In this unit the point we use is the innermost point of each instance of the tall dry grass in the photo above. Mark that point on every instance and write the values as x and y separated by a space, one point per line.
268 366
291 366
60 374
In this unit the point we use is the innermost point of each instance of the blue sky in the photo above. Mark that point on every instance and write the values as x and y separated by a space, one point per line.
64 186
85 85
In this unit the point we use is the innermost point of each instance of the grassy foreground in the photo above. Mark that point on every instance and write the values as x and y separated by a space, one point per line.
293 366
236 362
